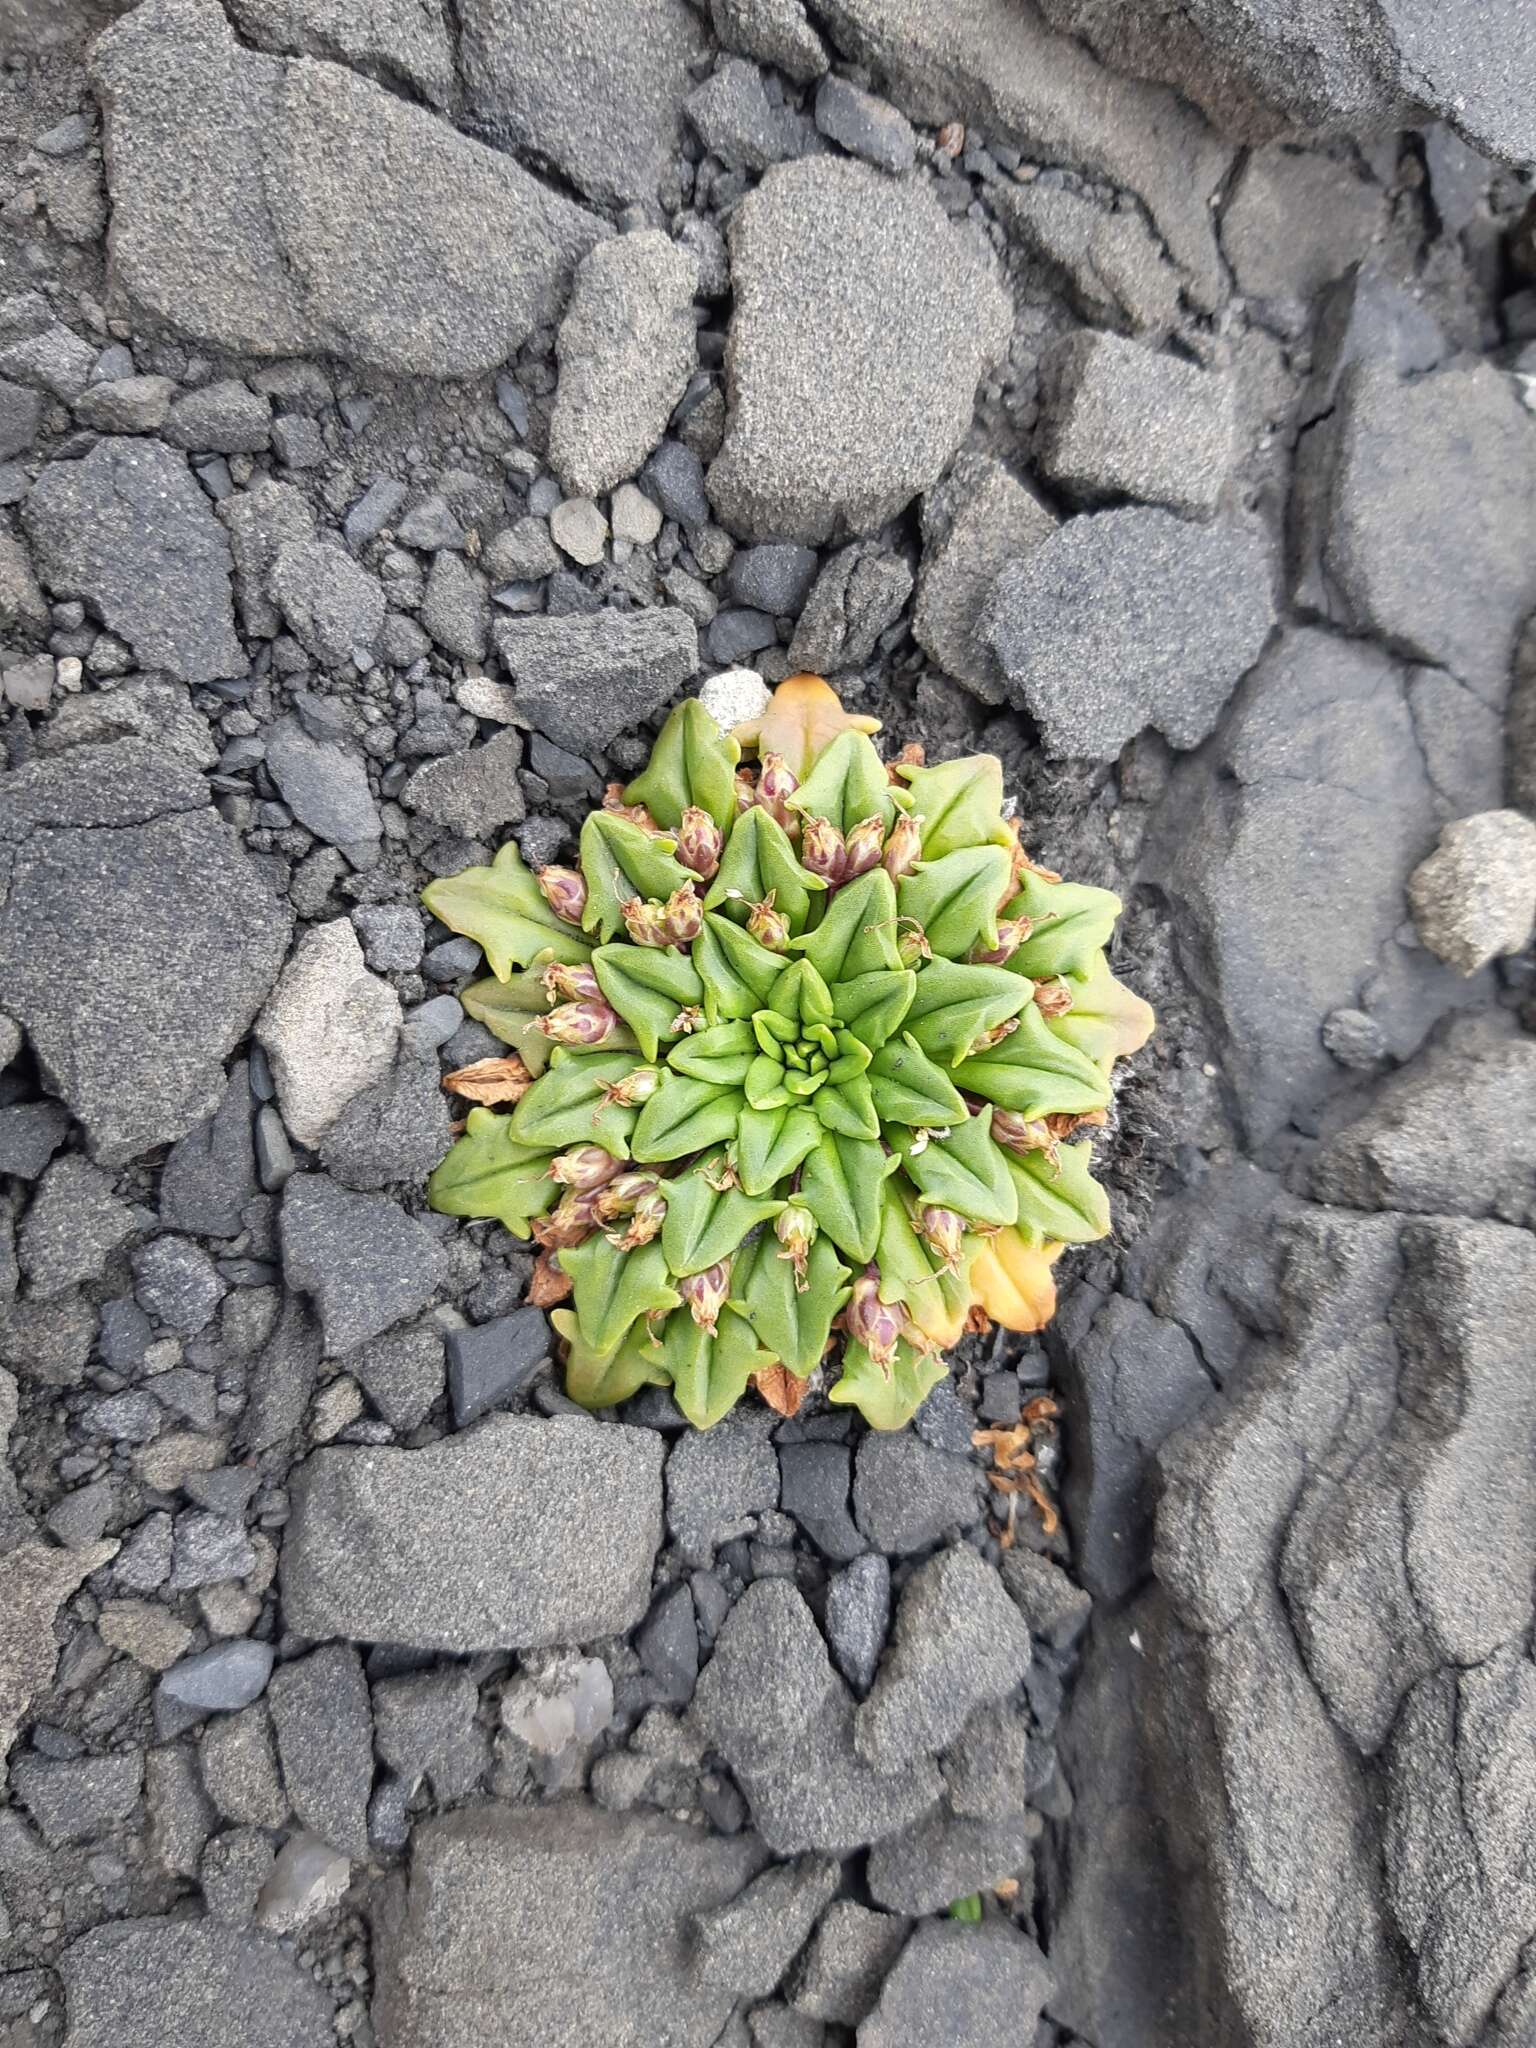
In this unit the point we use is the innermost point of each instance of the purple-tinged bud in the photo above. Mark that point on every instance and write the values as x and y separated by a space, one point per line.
796 1231
746 791
636 1087
622 1193
700 843
1011 934
584 1024
985 1040
571 1222
637 814
575 984
645 1221
682 917
822 851
776 782
912 942
768 926
866 843
645 921
1053 998
565 891
904 847
1021 1134
871 1322
585 1168
942 1231
705 1294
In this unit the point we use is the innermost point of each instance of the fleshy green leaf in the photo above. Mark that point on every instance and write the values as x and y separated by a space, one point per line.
858 933
965 1172
685 1115
1062 1202
1034 1072
721 1055
874 1006
601 1379
771 1143
794 1326
510 1011
1071 923
621 860
955 1003
1106 1022
502 908
565 1106
841 1186
704 1226
488 1173
764 1086
960 804
909 1089
736 971
759 858
709 1374
847 785
886 1401
648 986
955 899
612 1289
690 764
800 996
848 1109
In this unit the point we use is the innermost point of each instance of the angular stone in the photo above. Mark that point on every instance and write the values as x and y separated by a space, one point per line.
1124 421
858 1617
127 529
1474 899
815 1482
334 608
867 126
240 1771
327 790
331 217
1295 221
178 938
225 418
329 1029
954 1983
395 1130
775 32
718 1481
402 38
975 522
474 793
941 1858
737 122
581 680
489 1363
1130 618
608 121
136 1983
73 1799
839 1976
626 349
513 1921
858 594
524 1533
402 1373
366 1264
424 1726
323 1722
211 1172
34 1584
908 1496
73 1224
820 442
261 522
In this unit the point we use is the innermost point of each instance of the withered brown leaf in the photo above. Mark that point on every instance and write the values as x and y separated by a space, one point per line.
781 1389
489 1081
550 1284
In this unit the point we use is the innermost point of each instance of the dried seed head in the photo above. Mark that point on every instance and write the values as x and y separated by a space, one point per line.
912 942
943 1232
872 1322
682 917
565 891
635 1088
866 843
796 1231
1053 998
622 1194
585 1168
822 850
646 1219
746 791
1011 934
985 1040
1022 1134
700 842
637 814
768 926
705 1294
585 1024
689 1018
904 846
571 1222
550 1283
575 984
645 921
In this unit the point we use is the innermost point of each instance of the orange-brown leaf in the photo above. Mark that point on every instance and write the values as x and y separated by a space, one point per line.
550 1284
803 718
489 1081
781 1389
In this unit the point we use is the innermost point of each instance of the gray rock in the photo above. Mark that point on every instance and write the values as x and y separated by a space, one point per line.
473 793
72 1800
991 1767
626 349
775 578
329 1029
491 1362
868 127
1296 221
234 1867
73 1224
401 38
775 32
392 936
515 1921
394 1130
454 609
127 529
220 1680
1057 1610
281 1379
858 1617
261 521
1366 317
144 1563
132 1418
1418 516
960 1643
941 1858
1474 898
40 351
30 1134
1120 420
24 614
181 950
859 593
176 1282
1110 265
323 1722
210 1550
820 442
239 1765
580 681
667 1644
814 1483
21 417
674 477
960 1983
35 1581
521 552
125 405
345 220
608 123
719 1481
424 1727
180 1818
374 511
839 1976
128 1982
737 122
225 418
366 1264
334 608
308 1879
975 522
401 1373
524 1533
908 1497
1130 618
746 1947
210 1174
327 790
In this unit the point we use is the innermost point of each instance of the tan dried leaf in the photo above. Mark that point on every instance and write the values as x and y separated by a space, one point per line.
490 1081
550 1284
781 1389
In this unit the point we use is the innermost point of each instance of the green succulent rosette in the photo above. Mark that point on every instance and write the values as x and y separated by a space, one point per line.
799 1053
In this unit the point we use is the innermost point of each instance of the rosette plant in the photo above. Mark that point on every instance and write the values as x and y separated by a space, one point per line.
800 1056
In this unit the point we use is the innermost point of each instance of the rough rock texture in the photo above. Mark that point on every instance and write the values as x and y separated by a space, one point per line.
328 214
363 1261
975 522
132 1983
837 421
581 680
1122 421
959 1983
1474 899
522 1533
1129 618
405 39
34 1582
1111 266
329 1029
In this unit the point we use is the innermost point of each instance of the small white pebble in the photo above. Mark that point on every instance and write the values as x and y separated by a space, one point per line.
733 695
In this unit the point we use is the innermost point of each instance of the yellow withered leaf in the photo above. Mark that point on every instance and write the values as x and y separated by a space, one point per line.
803 718
1012 1281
